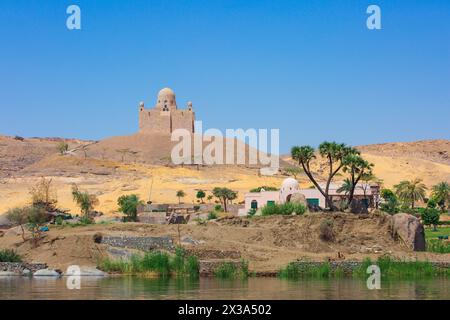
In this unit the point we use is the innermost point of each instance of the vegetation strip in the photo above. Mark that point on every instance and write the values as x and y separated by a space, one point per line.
390 268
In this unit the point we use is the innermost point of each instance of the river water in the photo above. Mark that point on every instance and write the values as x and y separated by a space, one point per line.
209 288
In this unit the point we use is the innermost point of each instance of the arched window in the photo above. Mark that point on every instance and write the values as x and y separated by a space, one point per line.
254 204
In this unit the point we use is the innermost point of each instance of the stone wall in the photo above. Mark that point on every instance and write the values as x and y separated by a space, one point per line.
18 267
140 243
350 266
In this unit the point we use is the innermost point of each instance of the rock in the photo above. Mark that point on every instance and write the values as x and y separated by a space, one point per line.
89 272
409 230
46 273
299 198
190 241
26 272
16 231
8 274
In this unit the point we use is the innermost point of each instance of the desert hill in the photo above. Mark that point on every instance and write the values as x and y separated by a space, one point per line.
98 167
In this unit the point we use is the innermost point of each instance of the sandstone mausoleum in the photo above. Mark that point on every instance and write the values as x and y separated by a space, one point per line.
165 117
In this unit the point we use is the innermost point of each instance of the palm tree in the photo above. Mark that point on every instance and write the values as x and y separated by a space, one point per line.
358 168
411 191
441 193
346 187
180 194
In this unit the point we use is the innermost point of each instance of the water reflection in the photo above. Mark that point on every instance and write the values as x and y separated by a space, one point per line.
208 288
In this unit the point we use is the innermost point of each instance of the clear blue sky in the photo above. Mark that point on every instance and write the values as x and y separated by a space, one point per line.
310 68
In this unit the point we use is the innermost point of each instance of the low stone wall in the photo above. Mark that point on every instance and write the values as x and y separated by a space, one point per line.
213 254
18 267
140 243
350 266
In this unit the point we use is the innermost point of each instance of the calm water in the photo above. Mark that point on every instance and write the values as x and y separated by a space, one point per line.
205 289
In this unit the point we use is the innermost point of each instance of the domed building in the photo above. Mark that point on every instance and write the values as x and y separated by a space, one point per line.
290 187
165 117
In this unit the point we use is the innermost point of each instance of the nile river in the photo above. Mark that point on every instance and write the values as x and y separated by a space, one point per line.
210 288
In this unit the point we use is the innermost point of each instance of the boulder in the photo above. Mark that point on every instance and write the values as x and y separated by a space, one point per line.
46 273
26 272
409 230
299 198
15 231
89 272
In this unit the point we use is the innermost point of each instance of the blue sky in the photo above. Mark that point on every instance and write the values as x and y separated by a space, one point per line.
310 68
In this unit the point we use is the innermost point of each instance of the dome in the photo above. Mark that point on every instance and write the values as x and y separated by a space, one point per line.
289 184
166 92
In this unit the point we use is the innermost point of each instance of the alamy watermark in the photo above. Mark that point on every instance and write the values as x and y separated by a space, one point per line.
212 147
73 277
374 20
73 22
374 280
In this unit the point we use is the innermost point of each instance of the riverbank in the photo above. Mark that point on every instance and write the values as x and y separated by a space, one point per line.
266 243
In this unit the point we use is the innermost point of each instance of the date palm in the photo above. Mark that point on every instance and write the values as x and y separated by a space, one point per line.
346 187
441 193
411 191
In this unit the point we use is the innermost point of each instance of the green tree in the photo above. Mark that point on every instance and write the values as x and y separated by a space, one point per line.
430 216
294 171
43 194
19 216
390 204
357 168
334 154
84 200
441 194
346 187
201 195
62 147
180 194
410 191
209 198
37 217
128 205
224 195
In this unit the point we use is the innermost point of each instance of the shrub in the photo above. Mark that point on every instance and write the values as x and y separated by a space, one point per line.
62 147
59 220
8 255
84 200
229 270
283 209
326 230
84 220
438 246
160 263
296 270
212 216
266 188
251 212
391 203
196 208
19 138
218 207
430 216
128 205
